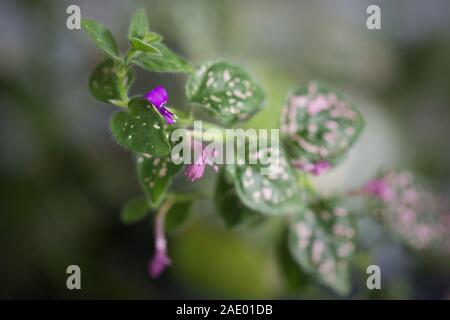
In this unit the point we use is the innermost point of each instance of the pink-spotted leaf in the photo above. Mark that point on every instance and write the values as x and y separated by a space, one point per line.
318 126
321 241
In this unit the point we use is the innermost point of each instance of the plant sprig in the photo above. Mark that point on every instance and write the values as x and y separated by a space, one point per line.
318 126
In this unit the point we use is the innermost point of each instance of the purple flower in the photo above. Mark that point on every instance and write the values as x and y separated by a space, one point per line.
158 98
158 263
195 171
316 169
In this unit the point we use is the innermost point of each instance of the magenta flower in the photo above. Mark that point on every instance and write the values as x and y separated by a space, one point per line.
158 97
196 170
158 264
316 169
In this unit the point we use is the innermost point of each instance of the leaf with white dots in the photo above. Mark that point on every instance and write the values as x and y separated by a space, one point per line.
155 175
104 83
225 90
140 129
318 124
164 61
321 241
136 209
266 182
102 37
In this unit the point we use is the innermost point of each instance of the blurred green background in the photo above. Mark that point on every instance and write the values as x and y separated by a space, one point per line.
63 180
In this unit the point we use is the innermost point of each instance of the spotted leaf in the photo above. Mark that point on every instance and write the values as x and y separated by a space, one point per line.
318 126
140 129
321 241
225 90
102 37
266 182
104 83
164 61
155 174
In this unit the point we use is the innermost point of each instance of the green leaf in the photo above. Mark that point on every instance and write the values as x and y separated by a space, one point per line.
274 192
104 83
155 175
167 61
102 37
321 240
136 209
138 26
141 45
318 123
177 215
230 208
140 36
140 129
152 37
225 90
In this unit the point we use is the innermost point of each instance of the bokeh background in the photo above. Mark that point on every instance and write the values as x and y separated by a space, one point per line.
63 180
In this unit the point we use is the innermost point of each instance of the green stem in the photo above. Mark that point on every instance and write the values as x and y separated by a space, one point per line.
122 76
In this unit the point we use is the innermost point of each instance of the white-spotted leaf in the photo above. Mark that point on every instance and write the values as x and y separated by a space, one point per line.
140 129
269 185
225 90
155 175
